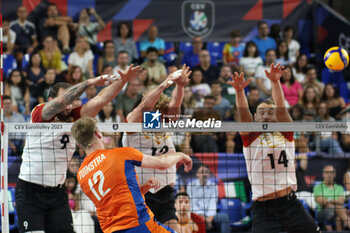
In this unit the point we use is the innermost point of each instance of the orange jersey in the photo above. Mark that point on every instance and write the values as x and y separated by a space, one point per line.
109 179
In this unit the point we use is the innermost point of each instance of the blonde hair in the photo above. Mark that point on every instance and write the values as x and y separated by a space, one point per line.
83 131
163 101
86 40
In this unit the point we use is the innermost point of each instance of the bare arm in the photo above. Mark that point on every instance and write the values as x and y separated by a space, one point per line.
101 24
239 84
90 69
275 73
178 92
92 107
346 181
166 161
150 99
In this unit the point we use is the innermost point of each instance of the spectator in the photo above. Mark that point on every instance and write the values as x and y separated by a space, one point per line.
292 89
90 93
57 26
210 72
330 200
122 62
204 142
70 186
107 69
16 140
304 189
191 58
156 69
263 41
108 115
310 100
227 91
296 112
89 29
282 53
34 72
124 41
152 41
189 222
43 90
262 82
198 86
127 100
51 54
233 50
335 103
275 32
82 57
9 37
75 75
189 102
144 79
311 79
299 69
329 141
250 60
345 142
204 195
73 165
26 39
293 45
222 105
254 99
17 88
108 57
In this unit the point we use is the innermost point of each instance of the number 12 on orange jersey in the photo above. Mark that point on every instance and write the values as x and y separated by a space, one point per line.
100 185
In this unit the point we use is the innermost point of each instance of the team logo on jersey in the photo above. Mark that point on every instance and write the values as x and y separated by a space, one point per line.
198 17
151 120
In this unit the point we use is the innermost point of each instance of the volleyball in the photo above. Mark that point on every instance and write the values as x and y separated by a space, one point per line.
336 58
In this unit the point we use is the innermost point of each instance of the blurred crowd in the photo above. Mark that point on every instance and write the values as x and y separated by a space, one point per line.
59 49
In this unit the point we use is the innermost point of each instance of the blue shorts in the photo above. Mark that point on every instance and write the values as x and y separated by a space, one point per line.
150 226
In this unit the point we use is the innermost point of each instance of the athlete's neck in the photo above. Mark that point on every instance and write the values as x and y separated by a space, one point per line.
96 145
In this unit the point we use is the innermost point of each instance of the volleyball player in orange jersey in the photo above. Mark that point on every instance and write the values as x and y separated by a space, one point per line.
108 178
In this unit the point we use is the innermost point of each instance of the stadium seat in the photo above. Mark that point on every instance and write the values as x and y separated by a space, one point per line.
137 44
215 50
94 63
236 210
9 64
25 60
185 47
169 53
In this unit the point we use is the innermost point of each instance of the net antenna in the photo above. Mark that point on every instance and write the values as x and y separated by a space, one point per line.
4 146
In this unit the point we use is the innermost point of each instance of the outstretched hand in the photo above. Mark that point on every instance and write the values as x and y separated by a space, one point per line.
131 73
184 78
275 73
238 82
153 183
103 80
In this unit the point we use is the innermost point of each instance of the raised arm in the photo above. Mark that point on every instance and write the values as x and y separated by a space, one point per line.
238 83
93 106
166 161
60 102
275 73
150 99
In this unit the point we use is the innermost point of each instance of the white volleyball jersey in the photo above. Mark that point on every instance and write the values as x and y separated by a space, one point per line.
270 162
152 144
46 155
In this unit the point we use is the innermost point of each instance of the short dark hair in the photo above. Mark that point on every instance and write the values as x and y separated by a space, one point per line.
151 50
54 90
107 42
210 97
181 194
269 50
106 66
287 28
122 51
253 88
6 97
261 23
310 67
215 82
235 33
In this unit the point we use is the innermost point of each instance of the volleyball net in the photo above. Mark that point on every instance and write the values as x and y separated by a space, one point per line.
216 151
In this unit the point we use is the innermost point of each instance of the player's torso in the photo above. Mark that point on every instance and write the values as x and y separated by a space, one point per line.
110 182
154 144
270 163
